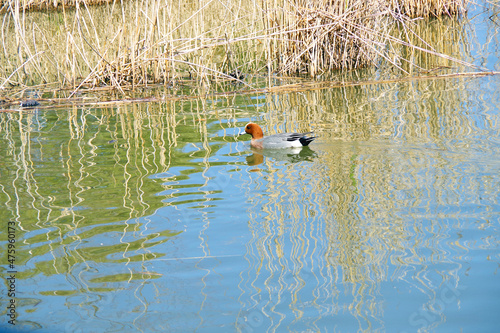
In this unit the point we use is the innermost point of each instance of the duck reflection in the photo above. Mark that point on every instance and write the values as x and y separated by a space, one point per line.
292 155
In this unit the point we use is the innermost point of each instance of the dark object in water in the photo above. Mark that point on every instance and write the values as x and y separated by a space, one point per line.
237 74
29 103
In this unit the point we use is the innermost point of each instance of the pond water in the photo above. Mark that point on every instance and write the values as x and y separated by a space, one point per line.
160 217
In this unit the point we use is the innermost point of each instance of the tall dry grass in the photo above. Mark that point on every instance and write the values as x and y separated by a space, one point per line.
436 8
129 43
336 34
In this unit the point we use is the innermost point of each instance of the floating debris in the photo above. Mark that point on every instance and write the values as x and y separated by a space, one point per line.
29 103
237 74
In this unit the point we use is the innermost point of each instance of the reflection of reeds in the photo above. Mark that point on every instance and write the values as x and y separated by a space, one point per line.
143 42
82 174
77 183
86 177
352 216
318 228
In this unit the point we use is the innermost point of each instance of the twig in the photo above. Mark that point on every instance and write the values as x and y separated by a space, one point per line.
17 69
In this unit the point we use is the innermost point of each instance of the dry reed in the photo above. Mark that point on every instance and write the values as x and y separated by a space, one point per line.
47 4
142 42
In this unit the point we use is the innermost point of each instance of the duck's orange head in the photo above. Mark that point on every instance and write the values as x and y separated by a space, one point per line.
254 130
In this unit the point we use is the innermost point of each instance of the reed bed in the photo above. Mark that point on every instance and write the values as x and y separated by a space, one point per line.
47 4
436 8
131 43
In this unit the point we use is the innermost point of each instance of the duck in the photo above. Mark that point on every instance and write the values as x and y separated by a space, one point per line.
282 140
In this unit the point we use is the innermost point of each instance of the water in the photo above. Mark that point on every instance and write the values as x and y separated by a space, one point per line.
159 216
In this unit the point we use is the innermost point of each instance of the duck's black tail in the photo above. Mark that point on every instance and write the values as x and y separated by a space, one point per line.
306 140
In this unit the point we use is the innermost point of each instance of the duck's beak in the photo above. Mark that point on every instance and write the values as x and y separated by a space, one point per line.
244 133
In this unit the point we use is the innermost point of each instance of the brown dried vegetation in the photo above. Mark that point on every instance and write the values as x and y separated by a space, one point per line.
151 41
